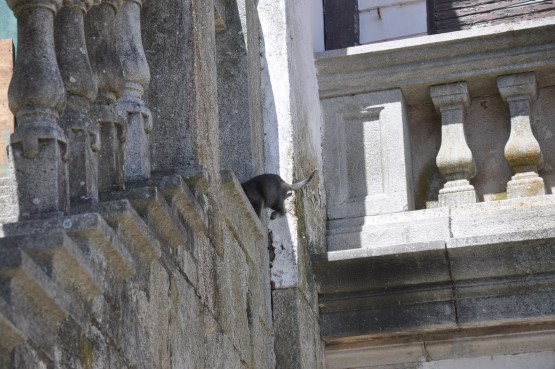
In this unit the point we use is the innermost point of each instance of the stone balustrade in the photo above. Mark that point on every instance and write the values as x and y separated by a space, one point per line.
469 260
77 93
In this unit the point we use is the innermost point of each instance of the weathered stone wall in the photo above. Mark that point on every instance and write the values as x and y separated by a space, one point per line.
137 284
162 271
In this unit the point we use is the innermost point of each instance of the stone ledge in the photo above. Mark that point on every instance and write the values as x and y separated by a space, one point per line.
389 230
448 344
241 217
460 282
37 304
477 56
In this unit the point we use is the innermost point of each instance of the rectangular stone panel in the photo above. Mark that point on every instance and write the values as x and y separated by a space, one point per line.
366 155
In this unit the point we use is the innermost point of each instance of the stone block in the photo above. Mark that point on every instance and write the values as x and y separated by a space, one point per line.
380 232
297 341
240 216
65 266
187 316
37 305
232 288
367 165
384 357
49 192
220 352
503 217
183 202
130 229
361 270
11 335
513 254
262 343
207 264
164 223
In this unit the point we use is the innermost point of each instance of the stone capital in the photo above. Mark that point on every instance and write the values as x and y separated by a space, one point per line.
83 5
19 5
116 4
450 96
518 86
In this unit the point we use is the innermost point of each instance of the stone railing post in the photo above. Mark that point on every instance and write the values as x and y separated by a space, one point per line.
131 105
454 160
80 85
36 97
100 30
522 150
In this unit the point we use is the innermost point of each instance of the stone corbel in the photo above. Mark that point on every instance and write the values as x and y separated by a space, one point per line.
454 159
522 150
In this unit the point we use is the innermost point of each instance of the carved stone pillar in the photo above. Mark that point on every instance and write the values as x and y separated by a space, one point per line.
454 160
131 105
522 150
36 97
80 86
100 29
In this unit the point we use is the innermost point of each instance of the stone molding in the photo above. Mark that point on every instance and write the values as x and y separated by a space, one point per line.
491 266
414 64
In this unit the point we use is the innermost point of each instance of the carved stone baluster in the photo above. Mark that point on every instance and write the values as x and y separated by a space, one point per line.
100 30
80 85
36 97
131 105
454 160
522 151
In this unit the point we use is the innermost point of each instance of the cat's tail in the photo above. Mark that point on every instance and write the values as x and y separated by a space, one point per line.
301 184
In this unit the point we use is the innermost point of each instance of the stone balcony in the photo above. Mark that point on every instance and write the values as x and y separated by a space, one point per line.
438 162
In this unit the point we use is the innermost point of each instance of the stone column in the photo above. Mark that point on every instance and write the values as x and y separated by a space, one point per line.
522 150
100 29
80 86
36 97
131 105
454 159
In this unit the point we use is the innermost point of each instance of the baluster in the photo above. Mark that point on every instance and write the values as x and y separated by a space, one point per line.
454 160
80 86
100 31
131 105
522 150
36 97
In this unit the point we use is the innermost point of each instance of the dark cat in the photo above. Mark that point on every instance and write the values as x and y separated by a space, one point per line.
270 191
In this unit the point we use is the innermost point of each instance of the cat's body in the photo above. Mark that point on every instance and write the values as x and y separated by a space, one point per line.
270 191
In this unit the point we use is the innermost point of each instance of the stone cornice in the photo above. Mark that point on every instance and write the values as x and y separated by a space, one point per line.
414 64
